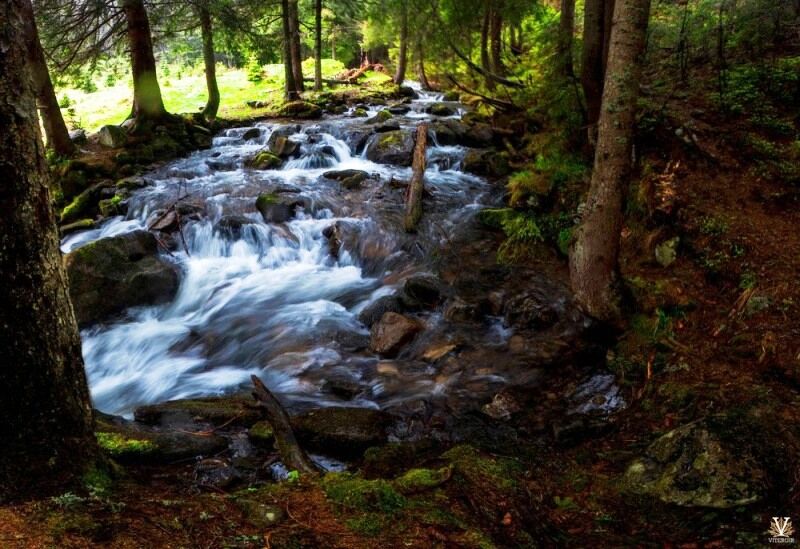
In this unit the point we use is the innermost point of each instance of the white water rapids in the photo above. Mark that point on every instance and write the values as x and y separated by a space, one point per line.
271 299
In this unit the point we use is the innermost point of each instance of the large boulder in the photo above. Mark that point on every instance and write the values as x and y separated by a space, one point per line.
341 432
264 160
350 179
392 332
395 147
112 136
697 466
109 275
487 162
276 208
279 143
301 110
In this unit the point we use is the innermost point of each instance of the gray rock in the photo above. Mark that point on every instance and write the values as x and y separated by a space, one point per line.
373 312
341 432
392 332
109 275
394 147
112 136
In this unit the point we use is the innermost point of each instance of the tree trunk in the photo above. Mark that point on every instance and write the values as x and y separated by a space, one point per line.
297 54
496 38
212 105
486 64
46 426
592 58
421 74
54 127
318 45
416 187
565 33
402 56
147 102
594 255
290 87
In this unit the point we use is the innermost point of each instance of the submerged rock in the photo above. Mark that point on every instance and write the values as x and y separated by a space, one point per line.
109 275
252 133
232 225
350 179
392 333
275 208
421 291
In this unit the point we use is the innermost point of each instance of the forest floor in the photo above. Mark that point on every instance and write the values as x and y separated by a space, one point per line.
713 334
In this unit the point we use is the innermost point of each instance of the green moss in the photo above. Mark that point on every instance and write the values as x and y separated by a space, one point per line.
355 493
368 524
262 433
382 116
469 462
419 480
78 208
118 445
266 199
97 481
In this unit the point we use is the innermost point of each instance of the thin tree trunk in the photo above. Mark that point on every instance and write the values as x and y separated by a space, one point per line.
212 105
496 38
54 127
318 45
421 74
147 101
46 427
297 57
402 56
608 23
594 257
290 87
416 187
486 64
565 34
592 58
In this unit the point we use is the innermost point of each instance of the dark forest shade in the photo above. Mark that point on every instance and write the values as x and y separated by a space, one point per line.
45 413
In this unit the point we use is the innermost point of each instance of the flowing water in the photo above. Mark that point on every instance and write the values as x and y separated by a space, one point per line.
272 299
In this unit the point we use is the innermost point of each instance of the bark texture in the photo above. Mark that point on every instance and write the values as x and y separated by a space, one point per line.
296 51
496 38
416 187
147 101
597 22
210 62
54 127
402 56
318 45
422 76
594 257
46 427
486 63
566 29
291 91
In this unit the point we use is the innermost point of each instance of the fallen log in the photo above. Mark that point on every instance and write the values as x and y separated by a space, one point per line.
417 186
333 82
499 103
292 455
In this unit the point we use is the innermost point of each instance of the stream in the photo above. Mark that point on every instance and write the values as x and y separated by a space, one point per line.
271 299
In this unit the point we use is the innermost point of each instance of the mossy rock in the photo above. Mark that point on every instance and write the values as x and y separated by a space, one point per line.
394 147
262 434
357 494
265 160
85 204
342 432
300 109
233 410
420 480
383 116
111 274
123 447
80 225
360 113
73 183
694 466
451 95
276 208
487 162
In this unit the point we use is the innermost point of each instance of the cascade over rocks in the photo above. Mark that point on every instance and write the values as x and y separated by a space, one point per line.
109 275
277 208
394 147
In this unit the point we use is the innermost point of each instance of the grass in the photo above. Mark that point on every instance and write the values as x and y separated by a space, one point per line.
183 90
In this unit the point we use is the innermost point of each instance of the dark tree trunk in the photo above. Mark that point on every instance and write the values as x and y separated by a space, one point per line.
421 74
486 64
46 426
54 127
496 38
402 56
594 265
290 88
147 102
212 105
318 45
297 54
565 33
592 58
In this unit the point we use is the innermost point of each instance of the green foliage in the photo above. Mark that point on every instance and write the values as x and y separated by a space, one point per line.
419 480
357 494
254 70
713 226
118 445
68 500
